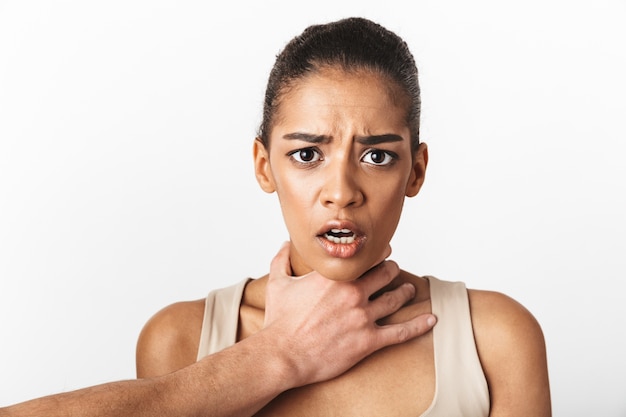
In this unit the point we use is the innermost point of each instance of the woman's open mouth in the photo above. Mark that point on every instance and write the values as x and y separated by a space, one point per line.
341 239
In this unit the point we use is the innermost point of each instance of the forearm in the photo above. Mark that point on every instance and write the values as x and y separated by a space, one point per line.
235 382
123 398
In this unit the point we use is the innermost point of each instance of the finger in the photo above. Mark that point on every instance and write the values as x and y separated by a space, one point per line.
391 301
280 265
379 276
401 332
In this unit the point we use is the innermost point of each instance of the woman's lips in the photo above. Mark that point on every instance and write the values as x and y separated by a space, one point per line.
341 239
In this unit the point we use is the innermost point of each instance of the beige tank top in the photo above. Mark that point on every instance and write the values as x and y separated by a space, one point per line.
461 385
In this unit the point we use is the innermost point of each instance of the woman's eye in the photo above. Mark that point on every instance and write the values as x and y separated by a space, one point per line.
378 157
306 155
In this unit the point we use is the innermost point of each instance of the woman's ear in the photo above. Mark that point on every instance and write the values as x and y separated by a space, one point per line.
262 168
418 171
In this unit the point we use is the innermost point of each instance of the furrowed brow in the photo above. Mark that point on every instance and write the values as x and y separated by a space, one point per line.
378 139
307 137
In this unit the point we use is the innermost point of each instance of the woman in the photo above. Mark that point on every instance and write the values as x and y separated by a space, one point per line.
339 144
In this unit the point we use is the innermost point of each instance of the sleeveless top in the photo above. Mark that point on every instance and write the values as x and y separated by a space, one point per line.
461 387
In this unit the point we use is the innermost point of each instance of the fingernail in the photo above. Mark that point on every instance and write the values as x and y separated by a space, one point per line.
431 321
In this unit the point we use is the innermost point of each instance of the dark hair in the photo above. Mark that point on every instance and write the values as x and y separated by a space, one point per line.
353 44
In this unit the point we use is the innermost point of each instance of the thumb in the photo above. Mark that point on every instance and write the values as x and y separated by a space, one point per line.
280 265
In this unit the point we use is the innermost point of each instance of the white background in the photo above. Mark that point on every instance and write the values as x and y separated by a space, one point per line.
126 179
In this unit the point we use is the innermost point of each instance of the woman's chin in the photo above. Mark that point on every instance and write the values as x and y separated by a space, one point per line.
335 268
341 271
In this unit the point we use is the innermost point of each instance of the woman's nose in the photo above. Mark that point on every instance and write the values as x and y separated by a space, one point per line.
341 186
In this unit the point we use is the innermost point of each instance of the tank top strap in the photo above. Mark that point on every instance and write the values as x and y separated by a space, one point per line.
221 318
461 386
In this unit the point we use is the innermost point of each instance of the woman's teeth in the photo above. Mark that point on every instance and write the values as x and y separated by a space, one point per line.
340 236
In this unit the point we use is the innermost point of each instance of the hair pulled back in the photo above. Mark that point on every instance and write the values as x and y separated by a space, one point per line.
351 44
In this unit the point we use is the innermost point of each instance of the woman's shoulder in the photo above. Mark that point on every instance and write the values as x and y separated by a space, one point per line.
512 350
169 340
497 315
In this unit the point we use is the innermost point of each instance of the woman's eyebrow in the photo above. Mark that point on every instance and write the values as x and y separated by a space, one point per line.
364 140
378 139
307 137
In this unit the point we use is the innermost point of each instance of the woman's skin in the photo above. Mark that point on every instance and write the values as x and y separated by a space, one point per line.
341 163
360 170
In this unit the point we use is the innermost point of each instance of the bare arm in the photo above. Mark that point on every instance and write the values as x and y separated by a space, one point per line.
228 383
169 340
306 339
513 353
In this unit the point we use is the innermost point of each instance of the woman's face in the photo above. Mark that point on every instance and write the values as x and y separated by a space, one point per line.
340 160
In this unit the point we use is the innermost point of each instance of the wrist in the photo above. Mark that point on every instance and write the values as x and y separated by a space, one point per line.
280 366
296 358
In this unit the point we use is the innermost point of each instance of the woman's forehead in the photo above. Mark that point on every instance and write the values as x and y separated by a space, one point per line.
334 97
